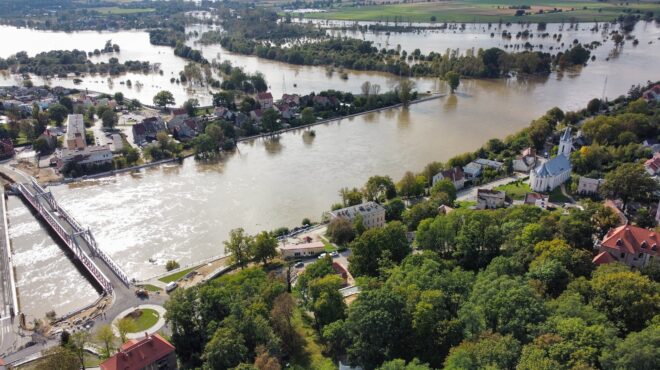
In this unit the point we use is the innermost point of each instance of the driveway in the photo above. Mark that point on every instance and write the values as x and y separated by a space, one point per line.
470 194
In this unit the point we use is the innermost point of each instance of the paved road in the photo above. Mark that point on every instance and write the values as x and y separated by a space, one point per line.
470 194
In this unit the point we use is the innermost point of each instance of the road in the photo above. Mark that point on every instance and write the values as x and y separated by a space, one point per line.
470 194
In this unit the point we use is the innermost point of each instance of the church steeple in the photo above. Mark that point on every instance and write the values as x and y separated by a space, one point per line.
566 143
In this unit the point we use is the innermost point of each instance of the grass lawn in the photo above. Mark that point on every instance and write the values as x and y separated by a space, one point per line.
148 319
485 11
118 10
556 196
515 190
176 276
150 288
465 203
328 246
311 356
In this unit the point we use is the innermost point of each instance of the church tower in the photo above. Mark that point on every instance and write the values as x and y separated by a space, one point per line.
566 143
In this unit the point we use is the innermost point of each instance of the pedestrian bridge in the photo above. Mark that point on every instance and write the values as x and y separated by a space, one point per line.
80 241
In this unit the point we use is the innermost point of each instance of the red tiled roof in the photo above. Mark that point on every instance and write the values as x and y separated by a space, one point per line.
138 354
603 258
264 96
454 174
653 163
632 239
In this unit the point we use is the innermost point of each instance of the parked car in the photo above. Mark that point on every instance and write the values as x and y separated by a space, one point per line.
322 255
171 286
299 265
334 254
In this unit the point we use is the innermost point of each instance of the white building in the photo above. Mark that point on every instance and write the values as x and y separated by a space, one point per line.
455 175
490 199
91 155
526 161
556 171
588 185
75 132
302 250
373 214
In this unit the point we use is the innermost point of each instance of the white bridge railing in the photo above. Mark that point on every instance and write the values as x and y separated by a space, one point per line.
32 194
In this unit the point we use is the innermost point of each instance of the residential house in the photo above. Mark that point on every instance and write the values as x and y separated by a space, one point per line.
182 127
240 119
75 132
475 168
265 100
293 100
285 110
539 200
256 115
652 144
373 214
557 170
490 199
632 245
152 352
588 186
653 165
652 94
89 156
445 209
148 129
302 250
223 113
455 175
526 161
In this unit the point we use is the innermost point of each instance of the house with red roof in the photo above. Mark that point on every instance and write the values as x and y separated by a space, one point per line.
632 245
653 165
455 175
265 100
152 352
652 94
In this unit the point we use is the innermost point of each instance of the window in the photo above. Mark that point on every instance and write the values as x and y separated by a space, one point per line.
623 255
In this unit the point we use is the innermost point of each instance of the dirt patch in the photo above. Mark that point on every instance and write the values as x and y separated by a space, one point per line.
43 175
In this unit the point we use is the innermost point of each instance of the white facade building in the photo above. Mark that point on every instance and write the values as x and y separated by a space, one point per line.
490 199
75 132
373 214
588 185
556 171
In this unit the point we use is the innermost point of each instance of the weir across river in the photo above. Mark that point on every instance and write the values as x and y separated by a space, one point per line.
80 241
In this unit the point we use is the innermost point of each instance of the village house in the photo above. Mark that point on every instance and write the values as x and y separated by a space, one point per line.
302 250
455 175
526 161
475 168
285 110
291 99
632 245
490 199
256 115
223 113
652 165
265 100
152 352
148 129
373 214
557 170
535 199
589 186
182 127
652 94
75 132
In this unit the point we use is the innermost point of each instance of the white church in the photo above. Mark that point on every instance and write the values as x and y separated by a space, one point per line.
556 171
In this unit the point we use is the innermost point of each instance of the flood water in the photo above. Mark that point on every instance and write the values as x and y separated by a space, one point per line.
46 277
185 212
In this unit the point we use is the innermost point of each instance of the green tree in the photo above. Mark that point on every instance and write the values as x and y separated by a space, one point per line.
350 197
57 113
225 350
58 358
124 326
327 303
404 91
204 144
109 119
340 230
488 351
106 336
119 97
270 120
400 364
378 246
379 188
264 247
41 146
628 182
163 98
184 317
453 79
190 106
411 185
281 317
240 247
444 186
77 344
394 209
307 116
639 351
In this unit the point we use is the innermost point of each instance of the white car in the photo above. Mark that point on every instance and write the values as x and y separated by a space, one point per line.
171 286
322 255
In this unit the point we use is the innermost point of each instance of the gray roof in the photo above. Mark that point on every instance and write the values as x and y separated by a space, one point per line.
553 167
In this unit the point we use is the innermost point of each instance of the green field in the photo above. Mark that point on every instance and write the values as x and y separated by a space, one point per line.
486 11
515 190
176 276
118 10
147 319
150 288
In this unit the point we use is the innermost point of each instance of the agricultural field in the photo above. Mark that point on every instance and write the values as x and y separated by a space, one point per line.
489 11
